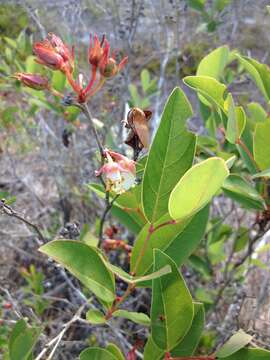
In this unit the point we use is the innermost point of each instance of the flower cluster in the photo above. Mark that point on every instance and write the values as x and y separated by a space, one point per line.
56 55
119 172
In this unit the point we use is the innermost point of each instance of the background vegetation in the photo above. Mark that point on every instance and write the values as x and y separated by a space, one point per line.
48 159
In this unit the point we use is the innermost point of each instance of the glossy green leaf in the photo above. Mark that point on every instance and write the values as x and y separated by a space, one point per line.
172 308
58 81
247 139
212 91
178 241
235 343
256 112
95 317
31 66
96 353
261 145
22 341
136 279
265 173
260 74
170 155
197 187
249 354
214 63
241 191
132 219
229 161
85 263
114 350
236 121
152 351
189 343
138 318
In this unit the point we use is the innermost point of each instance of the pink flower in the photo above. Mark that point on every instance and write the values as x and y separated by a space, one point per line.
119 172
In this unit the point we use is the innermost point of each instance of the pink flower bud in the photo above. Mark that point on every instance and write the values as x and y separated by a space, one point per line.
34 81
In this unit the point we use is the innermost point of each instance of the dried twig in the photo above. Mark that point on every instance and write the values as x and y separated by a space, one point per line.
12 213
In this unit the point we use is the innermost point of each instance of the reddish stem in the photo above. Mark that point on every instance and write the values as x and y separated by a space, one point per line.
92 80
249 154
209 357
76 87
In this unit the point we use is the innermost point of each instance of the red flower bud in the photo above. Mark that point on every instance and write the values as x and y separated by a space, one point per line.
53 53
34 81
95 50
107 65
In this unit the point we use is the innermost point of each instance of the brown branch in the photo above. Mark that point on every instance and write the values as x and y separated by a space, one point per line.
12 213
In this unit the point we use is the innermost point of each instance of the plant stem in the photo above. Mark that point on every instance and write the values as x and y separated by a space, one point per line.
105 213
88 114
131 287
249 154
12 213
209 357
143 249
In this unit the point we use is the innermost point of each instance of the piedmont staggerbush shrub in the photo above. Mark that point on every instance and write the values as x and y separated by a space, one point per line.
162 195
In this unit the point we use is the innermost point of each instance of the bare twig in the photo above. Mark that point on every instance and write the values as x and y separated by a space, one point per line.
12 213
57 339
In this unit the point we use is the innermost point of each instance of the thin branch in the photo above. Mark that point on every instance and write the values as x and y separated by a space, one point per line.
105 213
57 339
12 213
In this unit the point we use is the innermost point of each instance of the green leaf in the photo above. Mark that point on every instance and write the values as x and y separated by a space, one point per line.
247 139
95 317
189 343
31 66
133 220
261 145
236 121
212 91
196 4
22 341
170 155
90 239
172 308
197 187
241 191
256 112
250 354
138 318
114 350
58 81
136 279
85 263
178 241
200 264
235 343
242 239
152 351
96 353
145 79
260 74
214 63
265 173
221 4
